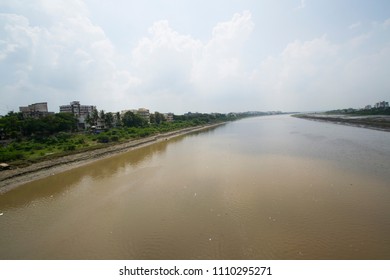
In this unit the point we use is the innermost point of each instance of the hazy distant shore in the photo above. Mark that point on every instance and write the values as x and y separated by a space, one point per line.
10 179
377 122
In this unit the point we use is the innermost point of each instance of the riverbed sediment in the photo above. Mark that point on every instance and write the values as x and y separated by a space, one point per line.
10 179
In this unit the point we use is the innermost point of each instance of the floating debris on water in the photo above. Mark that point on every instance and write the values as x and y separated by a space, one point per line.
1 214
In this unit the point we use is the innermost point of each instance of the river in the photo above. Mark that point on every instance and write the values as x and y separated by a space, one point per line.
272 187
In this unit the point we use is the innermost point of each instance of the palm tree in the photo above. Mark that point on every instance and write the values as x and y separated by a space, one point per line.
95 116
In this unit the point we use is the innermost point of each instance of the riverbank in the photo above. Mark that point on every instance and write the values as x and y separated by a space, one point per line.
10 179
377 122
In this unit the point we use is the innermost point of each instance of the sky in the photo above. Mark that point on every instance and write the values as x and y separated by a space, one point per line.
195 55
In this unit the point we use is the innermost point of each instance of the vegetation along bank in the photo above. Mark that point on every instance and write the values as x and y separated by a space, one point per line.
35 148
373 118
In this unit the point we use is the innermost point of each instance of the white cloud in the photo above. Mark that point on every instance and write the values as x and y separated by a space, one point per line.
68 59
386 23
355 25
290 79
220 70
164 59
302 5
170 63
319 74
53 51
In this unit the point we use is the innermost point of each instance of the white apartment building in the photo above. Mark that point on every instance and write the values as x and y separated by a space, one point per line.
142 112
168 117
79 111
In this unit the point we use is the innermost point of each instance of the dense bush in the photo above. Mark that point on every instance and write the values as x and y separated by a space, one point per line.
51 140
6 156
103 138
69 147
63 136
80 141
114 138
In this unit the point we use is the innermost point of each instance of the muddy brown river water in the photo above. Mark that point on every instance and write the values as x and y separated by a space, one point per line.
261 188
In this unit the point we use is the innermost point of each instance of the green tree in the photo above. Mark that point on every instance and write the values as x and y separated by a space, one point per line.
101 118
89 120
118 120
109 120
132 120
159 117
94 116
48 125
11 125
102 115
152 118
64 122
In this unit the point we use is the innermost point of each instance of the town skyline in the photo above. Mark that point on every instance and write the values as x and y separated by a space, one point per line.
44 105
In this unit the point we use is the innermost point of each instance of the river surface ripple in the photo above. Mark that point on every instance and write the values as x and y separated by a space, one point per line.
261 188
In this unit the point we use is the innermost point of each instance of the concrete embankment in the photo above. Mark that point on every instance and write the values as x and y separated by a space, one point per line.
10 179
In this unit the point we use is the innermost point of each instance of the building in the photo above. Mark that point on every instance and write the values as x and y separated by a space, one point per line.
168 117
35 110
142 112
382 105
117 119
368 107
79 111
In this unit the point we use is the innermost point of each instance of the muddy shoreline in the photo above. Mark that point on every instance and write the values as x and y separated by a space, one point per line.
376 122
10 179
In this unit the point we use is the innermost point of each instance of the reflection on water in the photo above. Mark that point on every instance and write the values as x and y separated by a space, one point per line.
59 183
261 188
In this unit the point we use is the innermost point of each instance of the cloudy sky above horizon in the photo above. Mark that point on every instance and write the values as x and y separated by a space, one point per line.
186 55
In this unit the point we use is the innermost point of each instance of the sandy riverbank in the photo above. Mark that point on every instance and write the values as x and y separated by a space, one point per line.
376 122
10 179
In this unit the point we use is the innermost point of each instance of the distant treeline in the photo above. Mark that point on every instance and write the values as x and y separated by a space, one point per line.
361 112
16 126
25 139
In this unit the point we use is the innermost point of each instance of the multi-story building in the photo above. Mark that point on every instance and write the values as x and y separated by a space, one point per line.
79 111
168 117
76 109
35 110
142 112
